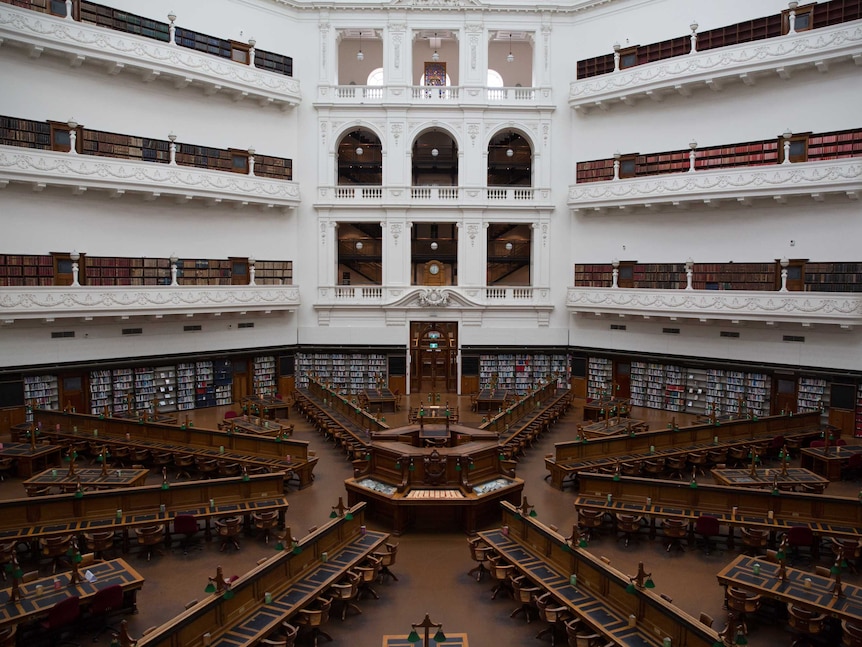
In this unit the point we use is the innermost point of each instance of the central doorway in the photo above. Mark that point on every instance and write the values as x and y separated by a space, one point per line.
433 356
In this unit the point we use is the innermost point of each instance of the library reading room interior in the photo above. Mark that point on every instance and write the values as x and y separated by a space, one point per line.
485 323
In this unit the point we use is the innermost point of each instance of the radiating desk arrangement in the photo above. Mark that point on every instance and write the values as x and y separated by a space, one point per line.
799 587
31 458
38 596
827 461
275 590
252 450
769 477
574 456
266 406
89 477
29 518
622 608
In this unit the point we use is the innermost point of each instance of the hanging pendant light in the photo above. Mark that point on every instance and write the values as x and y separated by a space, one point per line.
435 56
511 57
359 55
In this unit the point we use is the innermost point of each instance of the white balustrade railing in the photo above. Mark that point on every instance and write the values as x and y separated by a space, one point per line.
500 197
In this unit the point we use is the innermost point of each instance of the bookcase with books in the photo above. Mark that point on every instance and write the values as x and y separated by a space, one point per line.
655 388
165 384
696 390
123 386
674 388
185 386
811 394
145 389
348 373
263 375
223 381
204 386
600 376
522 371
101 391
637 383
42 391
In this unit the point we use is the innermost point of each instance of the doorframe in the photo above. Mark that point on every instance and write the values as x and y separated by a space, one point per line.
452 380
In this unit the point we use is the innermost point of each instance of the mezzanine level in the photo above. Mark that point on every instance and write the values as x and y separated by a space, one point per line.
806 309
438 97
505 198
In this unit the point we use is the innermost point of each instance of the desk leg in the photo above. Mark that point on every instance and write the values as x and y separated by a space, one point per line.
730 536
208 531
130 600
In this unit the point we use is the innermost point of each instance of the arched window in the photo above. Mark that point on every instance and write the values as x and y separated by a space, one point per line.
376 77
494 79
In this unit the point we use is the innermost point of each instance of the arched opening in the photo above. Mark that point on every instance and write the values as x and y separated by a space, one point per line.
360 159
510 160
435 160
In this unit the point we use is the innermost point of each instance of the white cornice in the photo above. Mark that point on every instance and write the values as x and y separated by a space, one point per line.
804 308
712 68
132 301
41 168
118 51
504 6
840 177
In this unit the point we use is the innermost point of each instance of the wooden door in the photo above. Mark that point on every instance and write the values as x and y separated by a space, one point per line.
784 394
622 379
73 392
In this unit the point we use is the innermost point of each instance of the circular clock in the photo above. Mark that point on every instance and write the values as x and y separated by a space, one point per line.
434 269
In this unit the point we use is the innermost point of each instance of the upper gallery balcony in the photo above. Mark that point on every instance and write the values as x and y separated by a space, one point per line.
43 154
74 285
818 35
812 165
376 197
82 31
420 96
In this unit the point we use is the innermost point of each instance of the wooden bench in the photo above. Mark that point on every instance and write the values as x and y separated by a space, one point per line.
599 595
275 454
573 456
28 519
828 516
293 577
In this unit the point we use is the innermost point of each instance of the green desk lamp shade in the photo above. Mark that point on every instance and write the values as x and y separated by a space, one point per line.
413 637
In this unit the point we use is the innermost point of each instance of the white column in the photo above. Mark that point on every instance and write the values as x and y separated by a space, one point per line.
73 136
174 260
616 165
689 270
784 263
172 149
691 156
616 57
251 161
74 256
251 43
251 270
791 17
693 26
69 10
172 29
787 135
616 273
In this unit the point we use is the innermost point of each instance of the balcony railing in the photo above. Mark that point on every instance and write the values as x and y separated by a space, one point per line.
52 303
377 196
41 168
438 96
116 51
446 296
738 185
820 48
803 308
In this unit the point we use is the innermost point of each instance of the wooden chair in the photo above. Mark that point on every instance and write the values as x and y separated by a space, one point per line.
754 539
743 603
345 593
265 521
37 490
706 619
675 530
654 467
184 464
313 617
589 521
707 526
206 467
99 541
852 634
525 593
7 636
479 552
228 529
289 632
387 559
501 573
369 571
187 526
7 466
149 537
805 622
629 525
55 548
554 615
676 466
228 469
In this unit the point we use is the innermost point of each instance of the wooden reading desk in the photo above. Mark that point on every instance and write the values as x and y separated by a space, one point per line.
33 605
90 477
612 427
256 426
767 478
379 399
490 399
827 461
266 406
598 409
740 573
30 460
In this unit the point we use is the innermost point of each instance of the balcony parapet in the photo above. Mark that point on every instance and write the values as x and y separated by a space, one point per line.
434 196
117 51
64 302
734 306
42 168
738 185
454 96
714 68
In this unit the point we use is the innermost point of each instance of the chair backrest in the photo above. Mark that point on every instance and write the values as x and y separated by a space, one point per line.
706 619
800 536
185 524
230 414
707 525
65 612
106 600
290 632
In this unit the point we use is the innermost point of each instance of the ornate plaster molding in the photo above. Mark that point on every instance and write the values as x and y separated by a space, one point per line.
113 301
711 68
50 168
841 176
118 51
805 308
